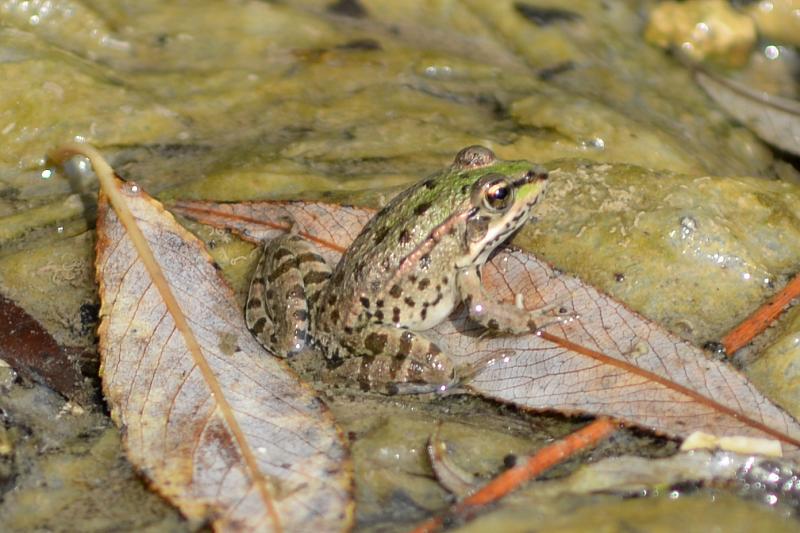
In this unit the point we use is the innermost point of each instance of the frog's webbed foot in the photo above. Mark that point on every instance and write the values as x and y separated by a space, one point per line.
499 317
395 361
289 272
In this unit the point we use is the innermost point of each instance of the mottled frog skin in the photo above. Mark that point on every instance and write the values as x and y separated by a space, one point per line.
410 266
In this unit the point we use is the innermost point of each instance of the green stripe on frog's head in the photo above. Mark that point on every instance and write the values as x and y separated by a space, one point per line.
501 197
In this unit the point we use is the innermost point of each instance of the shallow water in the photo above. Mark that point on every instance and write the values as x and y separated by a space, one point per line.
655 198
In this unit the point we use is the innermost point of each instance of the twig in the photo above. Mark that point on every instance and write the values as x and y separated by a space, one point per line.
514 477
761 319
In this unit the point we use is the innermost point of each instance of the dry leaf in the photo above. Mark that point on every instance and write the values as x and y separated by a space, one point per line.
609 361
776 120
35 354
224 431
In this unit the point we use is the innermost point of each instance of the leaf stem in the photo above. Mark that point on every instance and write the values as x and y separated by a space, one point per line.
761 318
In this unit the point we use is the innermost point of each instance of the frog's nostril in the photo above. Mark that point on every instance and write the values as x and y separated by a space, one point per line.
536 174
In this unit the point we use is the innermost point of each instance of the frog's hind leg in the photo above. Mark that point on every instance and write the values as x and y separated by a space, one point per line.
396 361
288 273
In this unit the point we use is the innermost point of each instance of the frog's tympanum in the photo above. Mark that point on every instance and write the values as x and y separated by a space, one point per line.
410 266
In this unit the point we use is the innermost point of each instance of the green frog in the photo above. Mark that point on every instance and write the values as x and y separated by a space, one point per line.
410 266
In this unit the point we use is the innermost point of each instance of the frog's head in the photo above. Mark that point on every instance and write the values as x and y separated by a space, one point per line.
500 199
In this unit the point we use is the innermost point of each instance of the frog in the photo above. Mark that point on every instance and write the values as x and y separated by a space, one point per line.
409 268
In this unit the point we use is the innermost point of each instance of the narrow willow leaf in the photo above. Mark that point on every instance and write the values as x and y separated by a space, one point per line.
35 354
610 361
776 120
220 428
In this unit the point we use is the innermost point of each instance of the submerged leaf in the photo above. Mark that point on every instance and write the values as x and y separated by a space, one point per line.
35 354
776 120
610 361
225 432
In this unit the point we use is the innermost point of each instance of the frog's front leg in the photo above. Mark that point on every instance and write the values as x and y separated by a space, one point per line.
395 360
499 316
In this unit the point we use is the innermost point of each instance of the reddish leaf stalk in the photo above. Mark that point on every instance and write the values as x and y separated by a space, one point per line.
187 209
513 478
761 319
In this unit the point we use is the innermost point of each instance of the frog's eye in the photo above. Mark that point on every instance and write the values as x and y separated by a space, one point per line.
497 194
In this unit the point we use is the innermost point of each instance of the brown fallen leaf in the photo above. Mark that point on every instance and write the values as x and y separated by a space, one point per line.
224 431
776 120
35 354
610 361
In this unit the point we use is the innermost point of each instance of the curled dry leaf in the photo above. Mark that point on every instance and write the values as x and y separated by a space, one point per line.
776 120
35 354
610 361
223 430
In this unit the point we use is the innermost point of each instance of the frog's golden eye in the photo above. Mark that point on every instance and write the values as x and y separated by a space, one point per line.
498 195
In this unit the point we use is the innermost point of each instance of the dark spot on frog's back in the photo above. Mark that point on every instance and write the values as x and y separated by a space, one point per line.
404 237
380 234
396 291
422 208
254 303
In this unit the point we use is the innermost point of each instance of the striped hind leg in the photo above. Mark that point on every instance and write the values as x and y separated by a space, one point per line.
289 272
395 361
